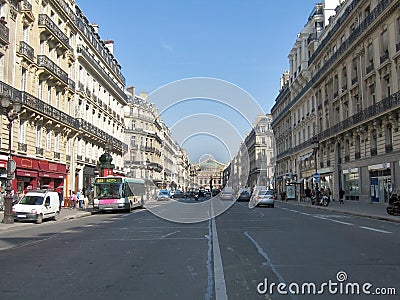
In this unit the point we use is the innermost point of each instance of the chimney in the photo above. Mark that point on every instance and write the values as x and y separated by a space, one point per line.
95 27
131 90
110 45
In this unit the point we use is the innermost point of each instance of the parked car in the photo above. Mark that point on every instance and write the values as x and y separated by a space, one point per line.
163 195
37 206
265 197
226 194
215 192
178 194
244 195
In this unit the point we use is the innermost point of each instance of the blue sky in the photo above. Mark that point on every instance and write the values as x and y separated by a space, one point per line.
242 42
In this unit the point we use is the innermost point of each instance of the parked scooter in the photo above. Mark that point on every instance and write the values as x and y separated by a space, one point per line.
323 200
394 205
196 196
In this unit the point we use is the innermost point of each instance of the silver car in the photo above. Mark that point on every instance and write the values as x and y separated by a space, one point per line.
265 197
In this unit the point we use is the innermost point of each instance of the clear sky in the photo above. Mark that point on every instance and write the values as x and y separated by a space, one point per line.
243 42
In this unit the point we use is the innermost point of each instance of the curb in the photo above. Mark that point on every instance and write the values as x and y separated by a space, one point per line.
382 218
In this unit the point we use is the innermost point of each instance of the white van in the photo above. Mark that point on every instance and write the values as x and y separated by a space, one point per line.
37 206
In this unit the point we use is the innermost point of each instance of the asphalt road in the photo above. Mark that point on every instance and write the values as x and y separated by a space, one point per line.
242 254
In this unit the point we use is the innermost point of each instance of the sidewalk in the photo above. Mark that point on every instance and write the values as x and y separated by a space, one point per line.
65 214
355 208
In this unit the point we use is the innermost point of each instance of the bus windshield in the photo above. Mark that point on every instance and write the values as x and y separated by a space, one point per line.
108 190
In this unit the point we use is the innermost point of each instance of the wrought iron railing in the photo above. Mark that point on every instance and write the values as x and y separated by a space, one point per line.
49 65
39 151
4 34
44 20
26 50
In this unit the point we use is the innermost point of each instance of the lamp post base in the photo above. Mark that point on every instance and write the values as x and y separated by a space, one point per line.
8 216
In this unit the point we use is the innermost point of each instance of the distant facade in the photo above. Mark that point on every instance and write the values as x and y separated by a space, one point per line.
209 171
337 113
259 144
153 154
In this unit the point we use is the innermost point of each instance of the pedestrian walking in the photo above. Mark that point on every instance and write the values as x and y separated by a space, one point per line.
81 199
341 196
73 199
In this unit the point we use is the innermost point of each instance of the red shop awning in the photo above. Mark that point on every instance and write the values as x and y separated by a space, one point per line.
51 175
3 164
26 173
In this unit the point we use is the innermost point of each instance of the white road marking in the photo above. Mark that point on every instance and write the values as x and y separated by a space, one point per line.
219 278
340 222
268 262
374 229
169 234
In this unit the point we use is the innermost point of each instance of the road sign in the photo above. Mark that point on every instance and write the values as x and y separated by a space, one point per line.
317 177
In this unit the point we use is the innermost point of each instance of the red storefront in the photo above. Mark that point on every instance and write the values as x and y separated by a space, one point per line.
33 173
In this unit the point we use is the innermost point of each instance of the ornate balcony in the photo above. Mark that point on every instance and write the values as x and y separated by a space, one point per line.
50 111
52 29
97 67
22 147
27 51
57 155
39 151
369 69
26 9
71 84
384 57
52 69
4 34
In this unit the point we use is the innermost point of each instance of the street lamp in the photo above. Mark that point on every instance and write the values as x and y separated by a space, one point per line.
315 146
12 112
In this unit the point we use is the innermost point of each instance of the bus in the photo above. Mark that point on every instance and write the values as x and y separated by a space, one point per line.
118 193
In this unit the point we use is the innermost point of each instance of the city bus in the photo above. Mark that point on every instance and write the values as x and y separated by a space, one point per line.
118 193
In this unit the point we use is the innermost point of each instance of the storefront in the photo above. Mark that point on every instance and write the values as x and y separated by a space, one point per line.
33 174
351 184
380 182
26 174
51 175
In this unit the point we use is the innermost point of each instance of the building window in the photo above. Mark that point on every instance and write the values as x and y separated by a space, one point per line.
23 79
48 141
22 131
38 136
56 143
372 93
385 42
370 57
389 138
68 147
386 86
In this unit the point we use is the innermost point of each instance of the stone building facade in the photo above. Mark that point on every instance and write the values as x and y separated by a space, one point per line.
337 114
70 86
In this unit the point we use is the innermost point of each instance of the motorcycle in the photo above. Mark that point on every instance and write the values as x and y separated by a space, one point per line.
322 201
394 206
196 197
